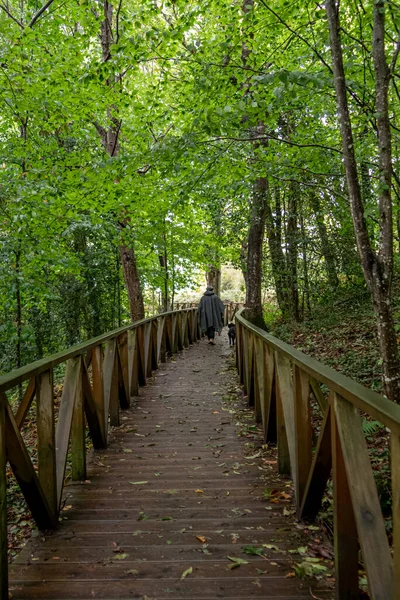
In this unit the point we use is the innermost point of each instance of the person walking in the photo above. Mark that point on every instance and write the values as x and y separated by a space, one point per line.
211 314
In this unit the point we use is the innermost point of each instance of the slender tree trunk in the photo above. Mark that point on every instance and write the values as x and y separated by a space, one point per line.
274 236
377 267
254 251
163 258
132 282
213 277
18 314
306 292
253 276
293 242
326 247
110 140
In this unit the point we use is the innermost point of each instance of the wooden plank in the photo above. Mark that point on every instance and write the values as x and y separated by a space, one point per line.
367 511
186 330
163 340
345 530
133 363
319 396
250 370
258 379
24 472
123 390
26 403
168 339
303 430
272 434
319 473
98 387
46 444
190 327
286 394
174 334
64 423
244 334
154 345
239 353
3 504
178 333
395 467
110 380
115 393
160 337
78 442
141 356
122 346
95 420
148 348
265 371
282 442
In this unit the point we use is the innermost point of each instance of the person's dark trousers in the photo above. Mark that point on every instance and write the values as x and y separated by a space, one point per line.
211 333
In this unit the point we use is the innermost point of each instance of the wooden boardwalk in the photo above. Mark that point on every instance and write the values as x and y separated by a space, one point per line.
173 494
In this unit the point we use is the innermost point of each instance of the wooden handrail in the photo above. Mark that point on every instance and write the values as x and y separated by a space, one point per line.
101 376
279 380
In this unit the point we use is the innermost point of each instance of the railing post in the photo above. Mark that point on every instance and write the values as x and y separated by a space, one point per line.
148 344
154 345
174 334
395 466
78 445
3 504
283 446
303 431
98 386
122 345
133 361
345 530
46 438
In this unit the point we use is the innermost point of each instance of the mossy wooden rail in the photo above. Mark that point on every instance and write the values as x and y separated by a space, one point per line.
101 375
279 381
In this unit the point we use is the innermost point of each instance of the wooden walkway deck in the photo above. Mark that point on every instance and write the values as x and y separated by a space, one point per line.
172 494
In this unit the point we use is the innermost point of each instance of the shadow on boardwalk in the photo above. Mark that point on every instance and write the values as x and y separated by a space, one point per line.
171 504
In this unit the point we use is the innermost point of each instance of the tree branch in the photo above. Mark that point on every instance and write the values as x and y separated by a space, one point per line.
11 16
40 12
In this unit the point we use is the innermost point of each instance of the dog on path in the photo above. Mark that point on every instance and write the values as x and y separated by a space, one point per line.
231 333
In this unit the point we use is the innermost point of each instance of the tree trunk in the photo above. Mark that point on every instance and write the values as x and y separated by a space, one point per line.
254 251
377 267
306 289
292 244
110 138
132 282
326 247
278 264
213 277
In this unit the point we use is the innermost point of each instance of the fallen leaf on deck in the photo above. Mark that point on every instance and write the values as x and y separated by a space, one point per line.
186 573
201 538
238 561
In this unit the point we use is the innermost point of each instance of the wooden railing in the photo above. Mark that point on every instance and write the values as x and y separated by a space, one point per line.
230 309
100 377
279 381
